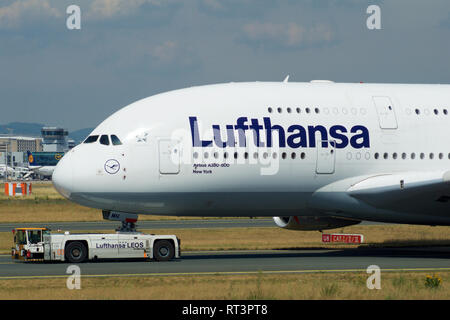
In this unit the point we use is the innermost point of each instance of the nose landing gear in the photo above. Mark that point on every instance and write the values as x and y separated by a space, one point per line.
128 220
127 227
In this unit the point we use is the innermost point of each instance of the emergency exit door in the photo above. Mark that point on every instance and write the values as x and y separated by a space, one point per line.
169 156
386 112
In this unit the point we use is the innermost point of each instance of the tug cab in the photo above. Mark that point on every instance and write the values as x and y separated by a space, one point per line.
28 244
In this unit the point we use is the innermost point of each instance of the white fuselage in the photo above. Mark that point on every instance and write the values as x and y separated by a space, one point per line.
45 171
203 151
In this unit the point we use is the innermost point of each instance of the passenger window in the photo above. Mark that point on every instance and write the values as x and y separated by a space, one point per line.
115 141
104 140
91 139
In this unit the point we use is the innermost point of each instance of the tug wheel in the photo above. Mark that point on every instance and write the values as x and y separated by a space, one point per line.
163 250
75 252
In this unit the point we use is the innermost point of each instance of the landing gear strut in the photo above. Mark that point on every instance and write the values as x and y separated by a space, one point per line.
127 227
128 220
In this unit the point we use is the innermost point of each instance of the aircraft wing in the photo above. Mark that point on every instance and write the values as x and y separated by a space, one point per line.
408 191
28 174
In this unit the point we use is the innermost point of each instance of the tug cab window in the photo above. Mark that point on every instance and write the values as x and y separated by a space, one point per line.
35 236
20 237
91 139
115 141
104 140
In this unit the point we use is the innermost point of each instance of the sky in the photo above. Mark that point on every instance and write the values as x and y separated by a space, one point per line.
127 50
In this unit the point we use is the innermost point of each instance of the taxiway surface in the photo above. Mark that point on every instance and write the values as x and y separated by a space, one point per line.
244 262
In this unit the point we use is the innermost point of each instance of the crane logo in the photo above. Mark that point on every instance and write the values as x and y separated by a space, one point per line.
112 166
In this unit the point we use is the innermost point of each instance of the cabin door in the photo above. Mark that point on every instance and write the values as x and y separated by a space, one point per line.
326 157
169 156
386 112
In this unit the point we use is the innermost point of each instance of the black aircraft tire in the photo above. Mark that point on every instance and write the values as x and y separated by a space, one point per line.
163 250
75 252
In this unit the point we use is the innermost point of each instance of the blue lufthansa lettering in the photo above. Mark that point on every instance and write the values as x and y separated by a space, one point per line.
296 135
110 246
196 141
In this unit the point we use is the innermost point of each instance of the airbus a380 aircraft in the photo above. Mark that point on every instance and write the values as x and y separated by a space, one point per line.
315 155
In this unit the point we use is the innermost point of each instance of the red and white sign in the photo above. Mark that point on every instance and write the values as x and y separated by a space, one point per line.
342 238
17 189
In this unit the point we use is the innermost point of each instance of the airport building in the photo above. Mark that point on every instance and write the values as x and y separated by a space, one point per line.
14 159
20 144
13 149
71 143
53 143
55 139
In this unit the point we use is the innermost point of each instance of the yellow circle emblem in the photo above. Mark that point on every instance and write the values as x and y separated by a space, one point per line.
58 156
30 158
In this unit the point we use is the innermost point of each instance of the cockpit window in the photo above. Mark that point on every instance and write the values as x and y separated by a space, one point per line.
104 140
91 139
115 141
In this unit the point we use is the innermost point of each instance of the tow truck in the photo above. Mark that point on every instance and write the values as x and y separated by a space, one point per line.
39 244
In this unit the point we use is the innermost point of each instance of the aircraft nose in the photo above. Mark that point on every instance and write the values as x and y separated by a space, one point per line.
63 177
